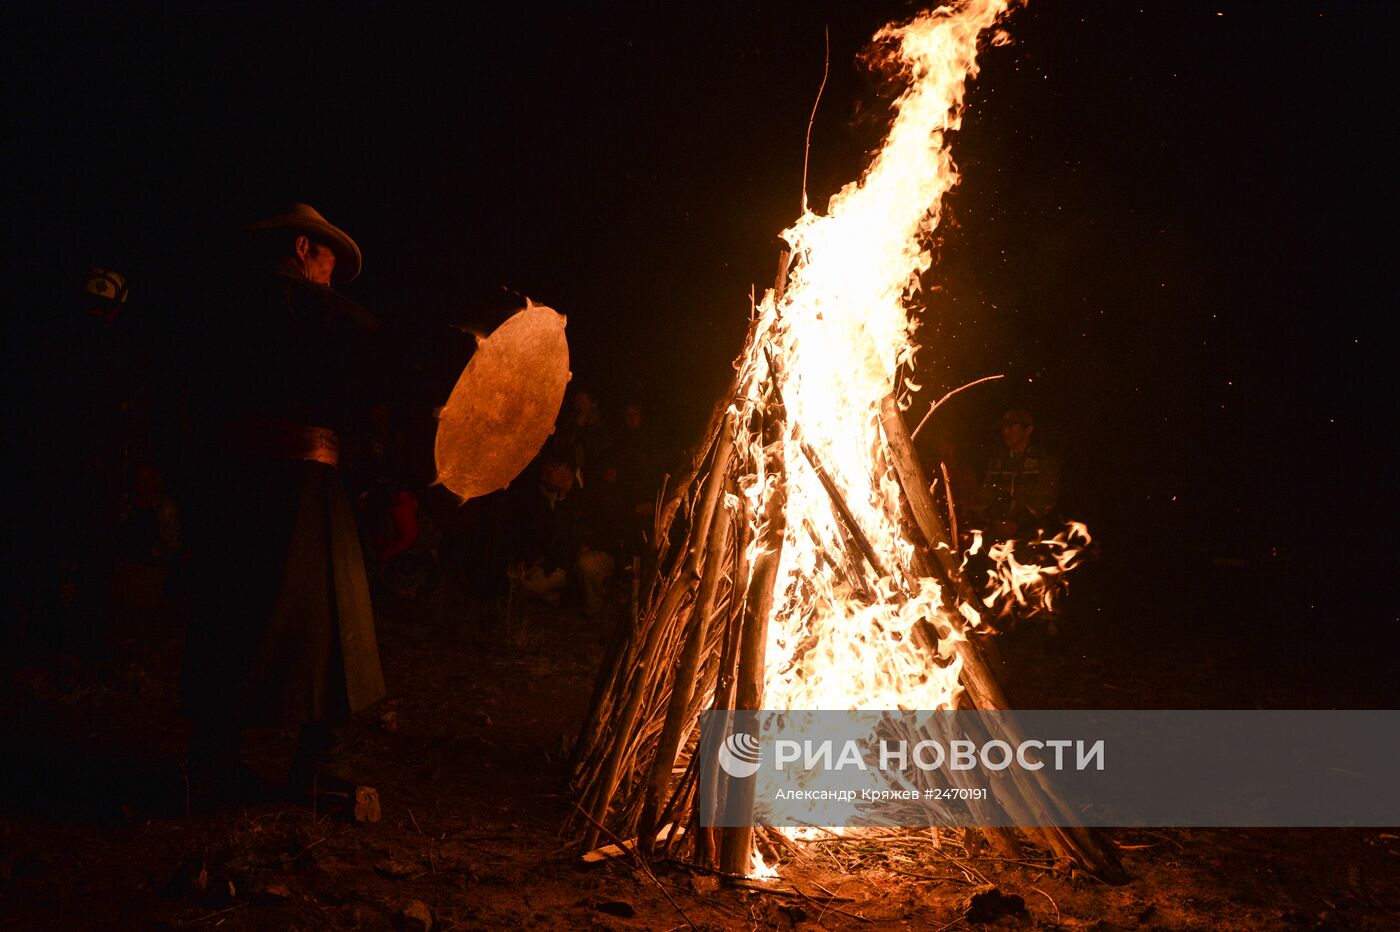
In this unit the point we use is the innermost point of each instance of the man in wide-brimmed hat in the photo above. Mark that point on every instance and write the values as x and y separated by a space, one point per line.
282 630
314 248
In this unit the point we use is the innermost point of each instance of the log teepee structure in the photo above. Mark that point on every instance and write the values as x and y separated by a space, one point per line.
801 560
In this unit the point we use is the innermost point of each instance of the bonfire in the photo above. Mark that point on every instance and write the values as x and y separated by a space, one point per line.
802 561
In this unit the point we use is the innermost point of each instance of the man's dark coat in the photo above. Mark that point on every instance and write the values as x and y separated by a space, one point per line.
281 629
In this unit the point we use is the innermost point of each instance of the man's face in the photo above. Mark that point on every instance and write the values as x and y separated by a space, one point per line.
559 478
632 417
1015 436
317 261
145 484
585 407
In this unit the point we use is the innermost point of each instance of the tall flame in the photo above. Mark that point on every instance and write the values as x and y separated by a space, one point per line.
834 342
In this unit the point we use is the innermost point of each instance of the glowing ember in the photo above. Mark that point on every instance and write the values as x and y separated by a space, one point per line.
839 334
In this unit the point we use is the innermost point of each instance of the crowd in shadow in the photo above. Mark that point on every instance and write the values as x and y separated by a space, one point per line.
257 476
261 477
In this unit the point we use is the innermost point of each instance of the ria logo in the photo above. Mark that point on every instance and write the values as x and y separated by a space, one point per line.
739 755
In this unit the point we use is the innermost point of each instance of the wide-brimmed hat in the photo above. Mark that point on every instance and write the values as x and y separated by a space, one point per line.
308 220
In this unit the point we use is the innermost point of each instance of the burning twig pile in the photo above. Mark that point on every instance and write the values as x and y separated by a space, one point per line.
810 568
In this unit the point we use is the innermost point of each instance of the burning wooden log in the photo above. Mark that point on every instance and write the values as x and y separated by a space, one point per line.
736 845
921 507
843 511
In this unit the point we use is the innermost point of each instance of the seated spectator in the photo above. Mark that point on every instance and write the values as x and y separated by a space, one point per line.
149 547
1022 482
584 438
550 542
639 474
150 522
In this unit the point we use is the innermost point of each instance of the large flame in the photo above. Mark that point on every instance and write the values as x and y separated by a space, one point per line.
836 341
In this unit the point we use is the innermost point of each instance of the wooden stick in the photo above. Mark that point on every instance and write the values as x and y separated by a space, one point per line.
915 485
807 149
953 537
642 864
707 839
661 527
1002 838
604 687
611 687
848 569
680 799
843 511
646 657
635 600
683 683
934 407
591 746
736 843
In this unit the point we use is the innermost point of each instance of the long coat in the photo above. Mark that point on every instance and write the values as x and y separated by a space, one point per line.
282 629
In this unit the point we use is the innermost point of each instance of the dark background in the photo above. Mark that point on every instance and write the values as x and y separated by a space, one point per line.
1173 234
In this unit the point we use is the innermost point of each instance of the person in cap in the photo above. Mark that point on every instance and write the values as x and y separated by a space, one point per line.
94 380
1022 483
281 629
104 293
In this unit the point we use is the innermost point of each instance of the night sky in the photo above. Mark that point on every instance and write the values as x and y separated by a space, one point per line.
1173 234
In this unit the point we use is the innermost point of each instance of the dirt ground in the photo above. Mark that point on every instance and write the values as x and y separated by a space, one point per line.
97 830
